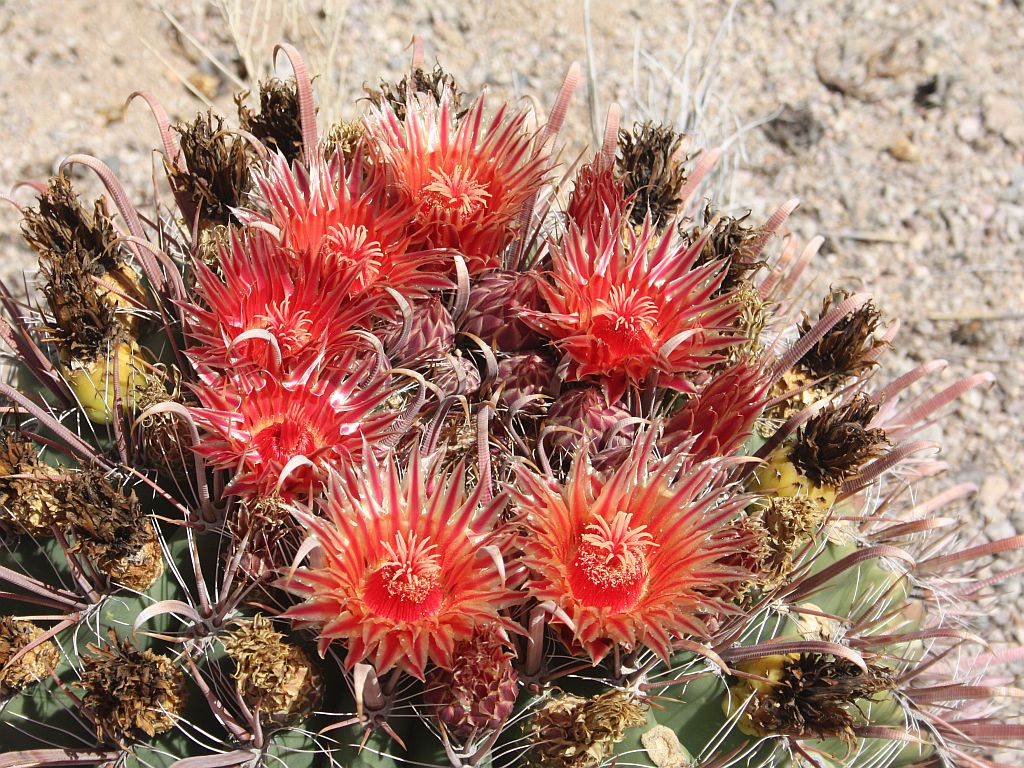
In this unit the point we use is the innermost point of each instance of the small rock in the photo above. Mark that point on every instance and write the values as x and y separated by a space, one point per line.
904 150
208 85
1000 529
795 129
1005 116
969 128
993 489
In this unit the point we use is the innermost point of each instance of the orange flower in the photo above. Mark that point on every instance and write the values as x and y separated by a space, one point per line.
340 213
463 184
625 305
402 574
282 439
271 313
635 557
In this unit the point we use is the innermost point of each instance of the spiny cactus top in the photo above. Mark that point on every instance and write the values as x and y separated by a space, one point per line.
397 442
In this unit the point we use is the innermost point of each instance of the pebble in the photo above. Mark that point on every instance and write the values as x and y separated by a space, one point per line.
904 150
969 128
993 489
1004 115
1000 529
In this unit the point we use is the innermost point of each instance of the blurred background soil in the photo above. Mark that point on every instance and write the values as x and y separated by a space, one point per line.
899 125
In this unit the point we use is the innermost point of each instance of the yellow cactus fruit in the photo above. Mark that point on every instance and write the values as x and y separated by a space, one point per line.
94 385
779 476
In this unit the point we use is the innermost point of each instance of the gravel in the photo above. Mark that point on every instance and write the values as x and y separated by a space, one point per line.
898 124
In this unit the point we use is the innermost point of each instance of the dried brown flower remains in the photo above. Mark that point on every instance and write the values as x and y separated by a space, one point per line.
731 241
111 530
80 260
130 693
815 696
849 348
26 486
277 123
216 174
272 675
431 83
575 732
787 523
35 664
650 162
835 444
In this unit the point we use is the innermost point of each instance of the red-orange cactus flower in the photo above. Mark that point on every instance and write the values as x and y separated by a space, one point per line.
341 213
623 305
403 573
281 439
271 312
463 183
633 557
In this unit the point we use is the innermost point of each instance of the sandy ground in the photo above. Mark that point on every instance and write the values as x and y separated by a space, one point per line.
900 125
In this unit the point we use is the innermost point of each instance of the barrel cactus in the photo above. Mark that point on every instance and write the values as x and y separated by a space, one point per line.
395 442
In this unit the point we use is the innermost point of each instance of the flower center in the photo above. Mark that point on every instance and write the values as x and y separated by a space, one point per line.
350 251
624 327
610 569
282 441
407 586
456 196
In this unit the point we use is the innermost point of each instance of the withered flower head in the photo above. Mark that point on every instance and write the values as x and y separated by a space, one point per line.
812 697
34 665
573 732
216 174
432 83
277 123
61 224
110 528
270 534
343 137
739 245
80 260
651 167
786 524
272 675
210 244
165 437
26 486
130 693
847 349
835 444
